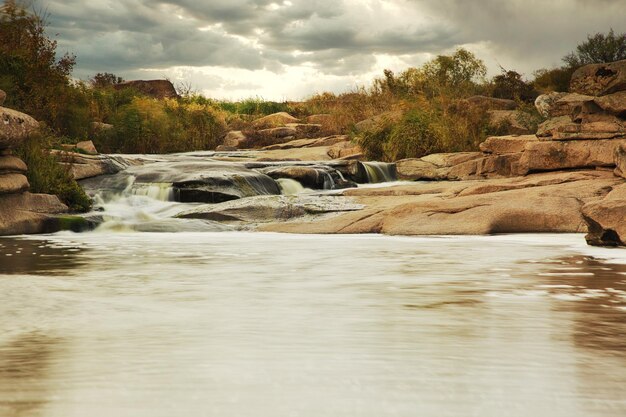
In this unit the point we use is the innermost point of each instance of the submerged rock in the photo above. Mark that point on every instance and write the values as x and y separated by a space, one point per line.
27 213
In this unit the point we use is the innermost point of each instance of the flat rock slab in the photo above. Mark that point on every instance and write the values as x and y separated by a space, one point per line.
500 145
271 208
540 203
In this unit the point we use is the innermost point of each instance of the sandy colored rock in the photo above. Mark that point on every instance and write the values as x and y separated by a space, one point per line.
345 149
551 126
559 155
15 127
488 166
599 79
13 183
99 126
159 89
440 209
84 166
29 213
545 102
607 127
614 104
12 164
235 139
309 143
568 104
434 166
605 219
87 147
620 160
274 120
499 145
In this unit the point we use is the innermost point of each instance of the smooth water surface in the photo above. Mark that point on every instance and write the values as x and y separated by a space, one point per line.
266 325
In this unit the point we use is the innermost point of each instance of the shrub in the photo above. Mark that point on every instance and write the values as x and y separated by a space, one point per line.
46 175
599 48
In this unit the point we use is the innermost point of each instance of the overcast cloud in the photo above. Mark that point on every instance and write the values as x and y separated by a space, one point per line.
294 48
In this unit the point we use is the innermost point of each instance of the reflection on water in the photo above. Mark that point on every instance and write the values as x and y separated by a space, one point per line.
236 324
24 364
18 256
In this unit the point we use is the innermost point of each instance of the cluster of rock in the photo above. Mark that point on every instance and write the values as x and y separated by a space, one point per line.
21 211
83 161
281 131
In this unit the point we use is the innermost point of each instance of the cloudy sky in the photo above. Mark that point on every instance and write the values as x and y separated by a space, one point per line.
290 49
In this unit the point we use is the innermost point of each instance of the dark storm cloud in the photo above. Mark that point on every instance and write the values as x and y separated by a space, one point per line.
337 37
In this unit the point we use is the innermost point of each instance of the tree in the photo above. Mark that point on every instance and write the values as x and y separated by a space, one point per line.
105 79
510 85
598 48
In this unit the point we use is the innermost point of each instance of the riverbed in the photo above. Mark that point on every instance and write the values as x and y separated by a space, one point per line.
243 324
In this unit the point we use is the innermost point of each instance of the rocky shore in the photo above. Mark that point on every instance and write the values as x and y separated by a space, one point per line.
567 177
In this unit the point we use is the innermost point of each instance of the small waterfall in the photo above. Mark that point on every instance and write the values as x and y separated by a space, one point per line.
379 172
156 191
289 186
329 182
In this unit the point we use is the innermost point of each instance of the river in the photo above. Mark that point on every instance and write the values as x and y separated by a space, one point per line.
193 324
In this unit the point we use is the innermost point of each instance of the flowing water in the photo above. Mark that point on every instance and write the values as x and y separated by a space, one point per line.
265 325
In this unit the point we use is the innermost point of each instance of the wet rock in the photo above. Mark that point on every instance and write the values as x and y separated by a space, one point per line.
545 102
317 177
159 89
599 79
271 208
15 127
274 120
500 145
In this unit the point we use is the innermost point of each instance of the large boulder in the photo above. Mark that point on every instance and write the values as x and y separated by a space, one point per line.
569 104
545 102
434 166
87 147
27 213
13 183
560 155
12 164
274 120
599 79
605 219
15 127
159 89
